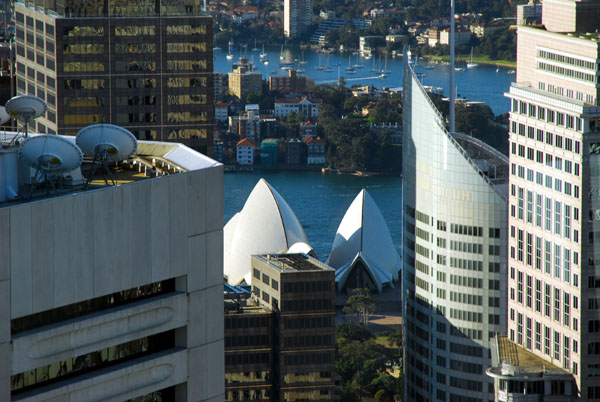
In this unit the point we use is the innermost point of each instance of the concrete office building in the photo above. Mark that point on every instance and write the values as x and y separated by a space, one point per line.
554 127
455 245
146 66
297 17
115 292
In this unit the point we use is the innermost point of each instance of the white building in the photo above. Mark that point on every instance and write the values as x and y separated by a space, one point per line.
304 107
363 253
114 292
554 200
221 111
266 224
455 252
461 36
297 17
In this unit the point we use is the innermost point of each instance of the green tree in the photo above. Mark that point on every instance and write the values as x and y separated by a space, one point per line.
361 304
353 331
253 98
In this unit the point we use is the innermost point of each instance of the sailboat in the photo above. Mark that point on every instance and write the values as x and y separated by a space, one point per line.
302 61
327 68
350 69
281 56
320 66
470 64
229 55
215 43
263 55
358 65
255 49
385 70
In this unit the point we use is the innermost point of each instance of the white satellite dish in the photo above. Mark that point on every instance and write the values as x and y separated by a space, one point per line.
106 142
51 154
26 107
4 116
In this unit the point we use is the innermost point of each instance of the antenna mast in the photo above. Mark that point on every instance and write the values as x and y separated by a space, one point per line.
452 87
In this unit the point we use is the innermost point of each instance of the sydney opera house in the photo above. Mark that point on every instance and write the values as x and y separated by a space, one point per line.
363 253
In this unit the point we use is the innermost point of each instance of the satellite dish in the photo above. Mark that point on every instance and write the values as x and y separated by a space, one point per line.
51 154
4 116
26 107
106 142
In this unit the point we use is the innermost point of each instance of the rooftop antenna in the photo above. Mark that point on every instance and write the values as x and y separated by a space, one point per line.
51 156
105 143
452 88
26 108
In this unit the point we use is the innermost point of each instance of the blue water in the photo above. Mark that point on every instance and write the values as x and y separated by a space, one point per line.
483 83
320 200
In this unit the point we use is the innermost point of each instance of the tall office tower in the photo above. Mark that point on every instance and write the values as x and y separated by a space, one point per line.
554 304
455 245
112 293
297 17
144 65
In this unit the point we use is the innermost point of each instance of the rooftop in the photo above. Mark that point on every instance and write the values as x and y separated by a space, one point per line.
515 361
151 159
293 262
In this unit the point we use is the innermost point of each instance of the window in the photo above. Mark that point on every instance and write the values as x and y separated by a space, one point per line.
546 340
520 287
556 304
557 217
557 261
530 204
547 300
521 202
538 210
529 295
567 228
567 309
548 221
538 336
567 265
557 345
547 256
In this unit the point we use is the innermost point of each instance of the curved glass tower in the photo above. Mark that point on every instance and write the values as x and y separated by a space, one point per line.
455 253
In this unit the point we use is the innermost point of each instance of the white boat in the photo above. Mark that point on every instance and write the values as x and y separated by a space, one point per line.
281 55
263 55
350 69
511 71
266 62
382 76
385 70
255 49
470 64
229 55
459 69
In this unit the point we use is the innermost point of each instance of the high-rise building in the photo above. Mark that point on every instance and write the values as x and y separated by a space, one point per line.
113 293
455 246
554 304
297 17
146 66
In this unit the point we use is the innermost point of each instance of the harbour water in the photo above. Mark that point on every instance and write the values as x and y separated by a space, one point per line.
484 83
320 200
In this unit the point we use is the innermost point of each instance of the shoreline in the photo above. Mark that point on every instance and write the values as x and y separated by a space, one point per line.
296 168
497 63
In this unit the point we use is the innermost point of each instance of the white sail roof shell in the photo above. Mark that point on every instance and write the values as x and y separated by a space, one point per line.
363 233
266 224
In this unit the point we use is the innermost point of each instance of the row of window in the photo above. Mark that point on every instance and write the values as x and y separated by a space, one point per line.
551 305
546 159
529 334
548 115
554 217
535 251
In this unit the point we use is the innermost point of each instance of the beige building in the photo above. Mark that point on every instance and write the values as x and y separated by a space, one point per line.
554 305
243 81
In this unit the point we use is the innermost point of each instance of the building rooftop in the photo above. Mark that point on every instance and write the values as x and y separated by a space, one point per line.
293 262
151 159
513 360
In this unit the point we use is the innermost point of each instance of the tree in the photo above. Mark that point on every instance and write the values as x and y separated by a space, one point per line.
353 331
253 98
361 304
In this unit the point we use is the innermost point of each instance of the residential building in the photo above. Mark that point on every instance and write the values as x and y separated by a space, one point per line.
308 129
303 107
553 302
221 111
482 29
109 291
269 126
244 81
221 85
245 152
297 17
461 36
294 151
249 126
145 67
293 83
315 150
269 152
455 254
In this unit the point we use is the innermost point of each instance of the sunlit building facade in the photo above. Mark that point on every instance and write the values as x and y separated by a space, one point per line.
455 246
297 17
143 65
554 219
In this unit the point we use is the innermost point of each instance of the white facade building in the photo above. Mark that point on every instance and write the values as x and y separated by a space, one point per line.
454 259
115 292
303 107
245 150
554 302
